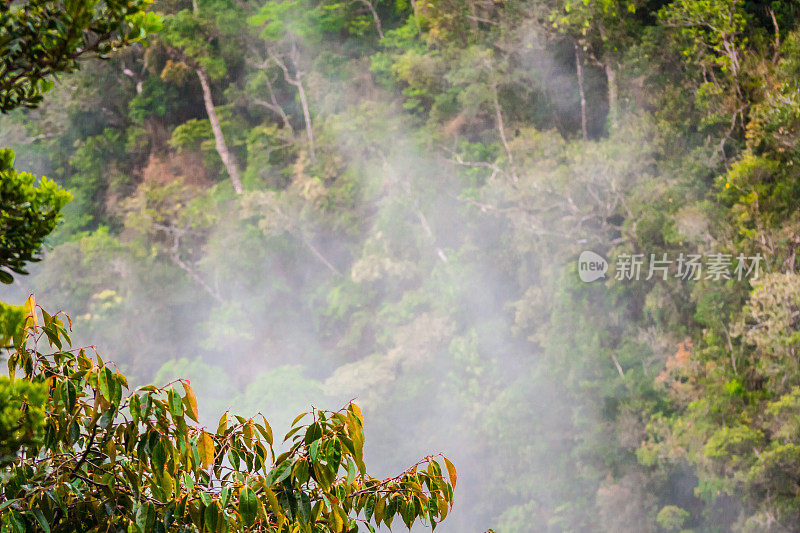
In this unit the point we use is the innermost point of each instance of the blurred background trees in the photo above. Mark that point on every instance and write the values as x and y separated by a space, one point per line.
416 183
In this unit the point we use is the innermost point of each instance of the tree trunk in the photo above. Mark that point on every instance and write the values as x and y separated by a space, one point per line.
276 107
579 68
222 147
777 52
498 113
611 76
375 17
307 115
415 10
297 81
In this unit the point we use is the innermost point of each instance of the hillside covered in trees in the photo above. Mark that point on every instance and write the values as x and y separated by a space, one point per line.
302 202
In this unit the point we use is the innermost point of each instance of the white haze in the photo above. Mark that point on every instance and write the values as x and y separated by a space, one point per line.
421 188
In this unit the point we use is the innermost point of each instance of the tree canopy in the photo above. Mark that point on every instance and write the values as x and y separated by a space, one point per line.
40 39
28 213
301 202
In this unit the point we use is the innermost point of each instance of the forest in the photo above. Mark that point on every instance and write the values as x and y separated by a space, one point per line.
292 205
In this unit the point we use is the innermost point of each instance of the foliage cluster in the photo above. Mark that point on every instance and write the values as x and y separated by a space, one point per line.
418 179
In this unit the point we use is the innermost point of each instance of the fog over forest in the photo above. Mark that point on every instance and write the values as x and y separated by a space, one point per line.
304 203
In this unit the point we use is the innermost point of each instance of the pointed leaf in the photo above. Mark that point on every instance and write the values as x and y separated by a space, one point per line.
205 447
451 471
190 400
248 505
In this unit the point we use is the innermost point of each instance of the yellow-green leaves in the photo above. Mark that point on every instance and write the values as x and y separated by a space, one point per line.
100 445
31 319
190 401
451 471
355 432
144 23
337 519
276 508
205 447
222 427
22 415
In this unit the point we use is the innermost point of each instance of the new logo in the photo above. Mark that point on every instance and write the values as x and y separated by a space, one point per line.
591 266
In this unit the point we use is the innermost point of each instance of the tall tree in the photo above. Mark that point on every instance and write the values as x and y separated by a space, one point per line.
181 34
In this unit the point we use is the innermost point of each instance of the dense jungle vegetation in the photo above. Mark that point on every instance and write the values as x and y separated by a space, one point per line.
301 202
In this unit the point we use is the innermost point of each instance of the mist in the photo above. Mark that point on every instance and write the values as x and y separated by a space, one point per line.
412 248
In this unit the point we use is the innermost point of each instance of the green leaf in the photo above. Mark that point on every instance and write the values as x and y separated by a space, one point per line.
351 471
298 418
159 456
17 523
105 380
41 519
211 516
408 513
305 507
273 502
175 403
222 427
313 450
333 454
135 408
248 505
313 433
70 395
370 508
8 503
280 472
